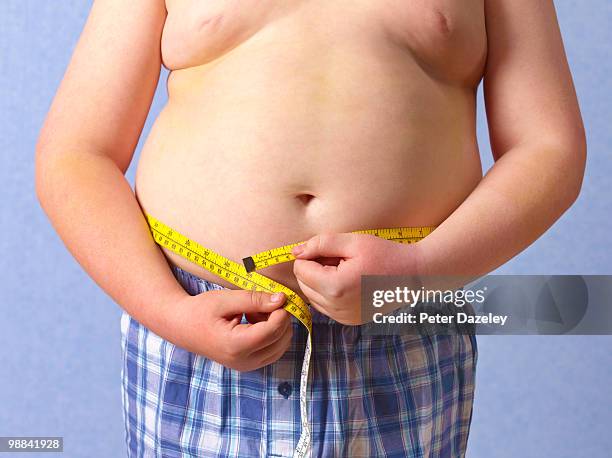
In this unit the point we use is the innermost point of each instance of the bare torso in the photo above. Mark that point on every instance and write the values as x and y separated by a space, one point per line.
290 118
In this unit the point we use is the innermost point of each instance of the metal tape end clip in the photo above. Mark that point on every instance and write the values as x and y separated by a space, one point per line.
249 264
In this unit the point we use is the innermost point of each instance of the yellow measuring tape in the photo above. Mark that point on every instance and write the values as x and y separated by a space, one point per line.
283 254
245 277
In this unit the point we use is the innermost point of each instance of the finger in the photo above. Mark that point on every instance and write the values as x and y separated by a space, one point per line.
249 301
273 352
284 341
323 279
281 350
268 346
256 317
252 337
313 296
326 245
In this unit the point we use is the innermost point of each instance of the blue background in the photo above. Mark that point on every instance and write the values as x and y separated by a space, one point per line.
537 396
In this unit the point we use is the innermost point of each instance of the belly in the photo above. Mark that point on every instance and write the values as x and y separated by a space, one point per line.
268 146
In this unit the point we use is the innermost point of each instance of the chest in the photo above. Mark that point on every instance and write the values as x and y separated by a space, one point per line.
446 37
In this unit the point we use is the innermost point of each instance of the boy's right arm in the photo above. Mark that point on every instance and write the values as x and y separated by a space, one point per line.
86 145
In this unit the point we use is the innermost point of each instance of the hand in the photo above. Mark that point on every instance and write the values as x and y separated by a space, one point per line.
328 268
209 325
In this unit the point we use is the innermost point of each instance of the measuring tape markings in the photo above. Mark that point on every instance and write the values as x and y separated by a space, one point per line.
225 268
245 277
283 254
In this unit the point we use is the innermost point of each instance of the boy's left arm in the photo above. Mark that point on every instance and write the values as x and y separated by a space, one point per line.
539 146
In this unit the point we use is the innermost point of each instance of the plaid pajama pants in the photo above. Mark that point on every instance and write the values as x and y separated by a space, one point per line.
369 396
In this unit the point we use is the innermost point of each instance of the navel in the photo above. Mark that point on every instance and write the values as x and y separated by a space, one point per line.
305 198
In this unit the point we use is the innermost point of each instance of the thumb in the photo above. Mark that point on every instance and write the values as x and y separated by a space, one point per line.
251 301
325 245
